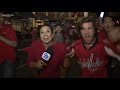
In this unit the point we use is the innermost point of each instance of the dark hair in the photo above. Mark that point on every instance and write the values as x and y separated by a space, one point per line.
107 16
48 26
38 31
58 24
84 20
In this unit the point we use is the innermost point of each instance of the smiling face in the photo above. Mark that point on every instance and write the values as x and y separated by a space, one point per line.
108 24
46 34
87 32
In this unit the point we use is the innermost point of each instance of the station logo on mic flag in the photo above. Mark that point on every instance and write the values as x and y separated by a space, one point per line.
46 56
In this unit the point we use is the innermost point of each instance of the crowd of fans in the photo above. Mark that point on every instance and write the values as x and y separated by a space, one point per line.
67 37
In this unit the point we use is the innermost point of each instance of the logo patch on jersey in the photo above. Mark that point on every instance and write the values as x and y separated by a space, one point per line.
90 64
46 56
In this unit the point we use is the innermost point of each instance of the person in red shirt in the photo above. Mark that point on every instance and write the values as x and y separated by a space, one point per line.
8 43
56 51
34 33
91 53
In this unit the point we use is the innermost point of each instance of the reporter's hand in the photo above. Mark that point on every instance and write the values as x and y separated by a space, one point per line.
40 64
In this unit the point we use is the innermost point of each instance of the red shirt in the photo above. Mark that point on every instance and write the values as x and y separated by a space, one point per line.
34 34
7 52
102 34
93 62
27 49
53 68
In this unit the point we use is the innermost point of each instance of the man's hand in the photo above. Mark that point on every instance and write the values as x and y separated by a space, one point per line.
71 54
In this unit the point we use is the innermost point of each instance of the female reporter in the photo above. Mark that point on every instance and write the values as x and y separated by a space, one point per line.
46 49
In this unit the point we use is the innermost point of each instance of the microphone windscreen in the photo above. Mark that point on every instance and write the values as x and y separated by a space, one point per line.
50 50
47 54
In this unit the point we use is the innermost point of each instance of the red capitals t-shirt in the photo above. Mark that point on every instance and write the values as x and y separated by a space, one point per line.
7 52
93 61
52 70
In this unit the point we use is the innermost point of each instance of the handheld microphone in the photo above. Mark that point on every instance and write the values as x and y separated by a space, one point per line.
46 56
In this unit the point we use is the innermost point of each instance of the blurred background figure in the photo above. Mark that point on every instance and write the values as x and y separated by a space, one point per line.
111 39
34 33
8 43
58 33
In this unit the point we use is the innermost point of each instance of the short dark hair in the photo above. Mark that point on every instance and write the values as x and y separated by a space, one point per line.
48 26
107 16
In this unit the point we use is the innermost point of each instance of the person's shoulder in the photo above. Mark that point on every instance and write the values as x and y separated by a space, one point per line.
60 48
60 44
78 42
101 32
36 42
36 45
